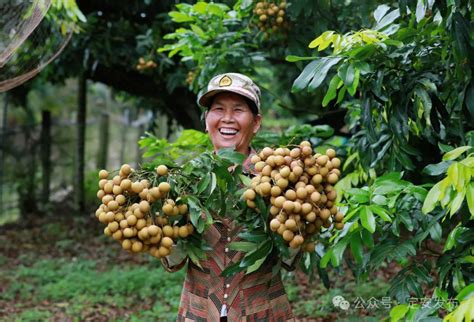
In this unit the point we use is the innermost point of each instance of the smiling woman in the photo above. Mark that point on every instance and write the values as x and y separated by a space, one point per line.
232 103
233 115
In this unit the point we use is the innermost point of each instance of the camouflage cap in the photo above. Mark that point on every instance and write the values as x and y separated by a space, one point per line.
230 82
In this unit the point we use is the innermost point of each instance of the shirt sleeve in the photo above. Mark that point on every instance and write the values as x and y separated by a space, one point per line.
293 260
175 260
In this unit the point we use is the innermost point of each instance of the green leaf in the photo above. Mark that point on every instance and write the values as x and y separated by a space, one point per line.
381 212
231 155
437 169
451 241
321 71
387 19
420 10
432 198
470 198
356 247
451 155
398 312
180 17
466 293
255 266
293 58
261 252
367 219
305 77
456 202
380 12
436 232
323 41
332 90
243 246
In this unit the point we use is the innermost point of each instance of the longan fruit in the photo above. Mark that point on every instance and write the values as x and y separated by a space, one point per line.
155 193
339 217
132 220
298 171
265 187
168 209
306 208
315 196
306 151
322 160
267 170
162 170
336 162
100 194
324 214
120 199
290 224
164 187
154 230
126 244
295 153
275 224
339 225
288 206
168 231
118 235
310 189
317 179
107 231
298 240
140 223
279 201
255 158
137 187
183 209
290 194
285 171
311 216
163 251
103 174
279 160
301 193
183 232
126 184
144 206
102 183
108 187
332 178
282 183
288 235
128 232
125 169
251 204
331 153
260 165
275 191
274 210
297 208
166 242
137 247
305 143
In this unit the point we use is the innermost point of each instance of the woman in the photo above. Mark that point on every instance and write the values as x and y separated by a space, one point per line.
232 119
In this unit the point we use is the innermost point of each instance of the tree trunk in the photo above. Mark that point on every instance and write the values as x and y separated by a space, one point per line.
103 150
139 158
45 155
3 139
81 139
123 134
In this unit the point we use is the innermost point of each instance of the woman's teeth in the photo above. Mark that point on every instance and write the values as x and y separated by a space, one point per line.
228 131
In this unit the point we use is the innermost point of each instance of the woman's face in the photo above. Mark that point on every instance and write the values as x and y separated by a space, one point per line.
231 123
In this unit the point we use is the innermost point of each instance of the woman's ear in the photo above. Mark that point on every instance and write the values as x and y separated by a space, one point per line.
258 122
205 122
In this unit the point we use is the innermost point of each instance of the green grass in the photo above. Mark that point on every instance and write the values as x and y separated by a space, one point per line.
145 292
318 303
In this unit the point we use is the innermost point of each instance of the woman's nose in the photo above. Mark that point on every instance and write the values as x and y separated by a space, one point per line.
228 116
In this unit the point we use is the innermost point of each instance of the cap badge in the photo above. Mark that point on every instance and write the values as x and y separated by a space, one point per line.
225 81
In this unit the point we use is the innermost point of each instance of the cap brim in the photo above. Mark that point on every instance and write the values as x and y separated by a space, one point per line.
205 99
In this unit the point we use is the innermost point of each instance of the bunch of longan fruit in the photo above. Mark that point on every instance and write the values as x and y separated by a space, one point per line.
299 186
271 15
140 216
145 64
